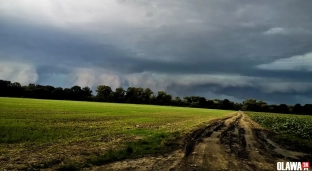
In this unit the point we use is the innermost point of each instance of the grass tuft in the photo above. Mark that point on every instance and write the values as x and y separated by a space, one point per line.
70 167
155 144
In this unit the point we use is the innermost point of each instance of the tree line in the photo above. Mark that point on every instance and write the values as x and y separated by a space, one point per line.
138 95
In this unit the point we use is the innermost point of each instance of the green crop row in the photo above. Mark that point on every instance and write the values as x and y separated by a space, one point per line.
295 125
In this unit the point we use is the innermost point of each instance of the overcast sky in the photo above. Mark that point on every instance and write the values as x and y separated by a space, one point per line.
234 49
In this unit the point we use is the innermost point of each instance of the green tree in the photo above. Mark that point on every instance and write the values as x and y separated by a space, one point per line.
139 95
227 104
163 98
176 101
261 106
307 109
210 104
119 95
15 89
274 108
87 92
297 109
249 104
104 93
147 95
76 92
283 108
238 106
188 99
58 93
202 102
130 95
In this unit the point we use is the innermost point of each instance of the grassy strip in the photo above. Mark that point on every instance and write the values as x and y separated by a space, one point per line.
155 144
293 142
41 121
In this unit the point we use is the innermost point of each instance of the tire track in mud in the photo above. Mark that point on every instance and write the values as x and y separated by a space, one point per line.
214 152
235 143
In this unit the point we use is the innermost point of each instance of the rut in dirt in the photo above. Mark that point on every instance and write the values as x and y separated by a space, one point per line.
233 144
198 135
221 148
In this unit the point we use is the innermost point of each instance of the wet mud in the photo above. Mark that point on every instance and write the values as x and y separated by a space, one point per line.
235 143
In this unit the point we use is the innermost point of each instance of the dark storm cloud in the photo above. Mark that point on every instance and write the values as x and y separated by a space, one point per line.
233 31
162 40
251 92
45 45
237 94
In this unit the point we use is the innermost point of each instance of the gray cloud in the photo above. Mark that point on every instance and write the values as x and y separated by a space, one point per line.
227 49
294 63
18 72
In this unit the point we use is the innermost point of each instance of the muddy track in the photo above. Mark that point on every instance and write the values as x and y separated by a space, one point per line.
235 143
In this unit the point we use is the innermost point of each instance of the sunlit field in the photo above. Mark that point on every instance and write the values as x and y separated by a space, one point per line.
49 133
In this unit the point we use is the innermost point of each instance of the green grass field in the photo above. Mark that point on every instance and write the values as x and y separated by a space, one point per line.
91 131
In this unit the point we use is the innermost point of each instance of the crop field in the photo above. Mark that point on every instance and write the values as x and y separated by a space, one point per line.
297 125
296 128
47 133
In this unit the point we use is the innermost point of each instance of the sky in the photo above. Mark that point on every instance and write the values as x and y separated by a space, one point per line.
224 49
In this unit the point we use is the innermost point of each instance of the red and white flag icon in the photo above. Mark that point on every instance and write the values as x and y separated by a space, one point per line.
305 165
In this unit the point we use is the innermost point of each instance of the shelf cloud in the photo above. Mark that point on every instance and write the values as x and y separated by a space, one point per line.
214 48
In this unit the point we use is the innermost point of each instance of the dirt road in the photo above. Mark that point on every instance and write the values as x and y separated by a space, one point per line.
236 143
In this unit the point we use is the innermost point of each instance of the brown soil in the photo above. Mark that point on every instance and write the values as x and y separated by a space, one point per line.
235 143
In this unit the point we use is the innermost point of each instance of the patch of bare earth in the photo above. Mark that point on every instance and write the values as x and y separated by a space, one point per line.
50 156
235 143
